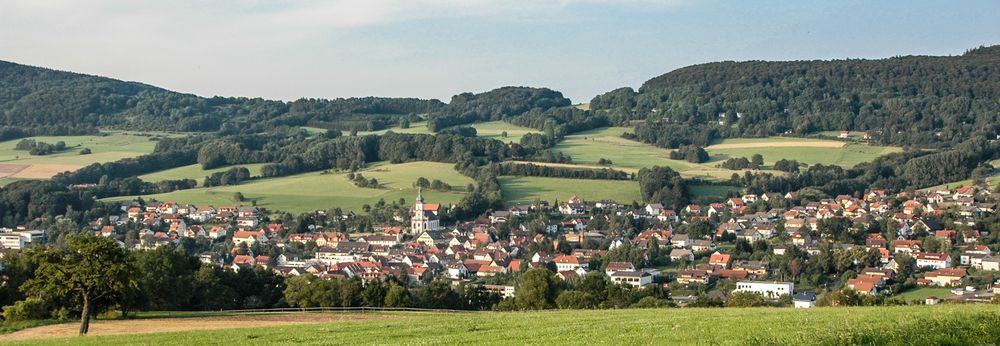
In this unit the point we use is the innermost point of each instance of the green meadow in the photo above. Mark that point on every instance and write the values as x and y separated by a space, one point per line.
112 147
588 147
196 172
528 189
846 156
906 325
495 129
317 190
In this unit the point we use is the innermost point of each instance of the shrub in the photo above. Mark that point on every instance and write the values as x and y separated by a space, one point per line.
28 309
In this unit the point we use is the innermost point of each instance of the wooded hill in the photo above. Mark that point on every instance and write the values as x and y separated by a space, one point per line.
922 101
33 97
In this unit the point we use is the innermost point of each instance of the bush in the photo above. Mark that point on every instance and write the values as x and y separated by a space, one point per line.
85 151
576 300
28 309
651 302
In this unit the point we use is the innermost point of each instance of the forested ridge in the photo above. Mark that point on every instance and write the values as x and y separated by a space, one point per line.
923 101
33 98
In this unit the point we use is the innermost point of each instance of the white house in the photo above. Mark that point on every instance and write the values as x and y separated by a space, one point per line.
933 260
804 300
770 289
637 279
564 263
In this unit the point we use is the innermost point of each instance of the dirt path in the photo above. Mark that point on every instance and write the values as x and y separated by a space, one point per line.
159 325
790 144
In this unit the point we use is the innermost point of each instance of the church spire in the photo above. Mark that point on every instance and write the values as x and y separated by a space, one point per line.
420 195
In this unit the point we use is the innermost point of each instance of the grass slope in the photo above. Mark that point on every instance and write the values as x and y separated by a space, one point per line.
528 189
195 172
846 156
923 293
311 191
493 129
108 148
917 325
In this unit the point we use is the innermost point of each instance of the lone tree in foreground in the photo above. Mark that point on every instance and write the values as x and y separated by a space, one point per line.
92 272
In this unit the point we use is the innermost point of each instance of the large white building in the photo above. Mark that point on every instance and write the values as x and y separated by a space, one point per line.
425 216
19 239
768 289
637 279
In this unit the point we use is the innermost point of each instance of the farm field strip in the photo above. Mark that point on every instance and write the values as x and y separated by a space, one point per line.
528 189
317 190
112 147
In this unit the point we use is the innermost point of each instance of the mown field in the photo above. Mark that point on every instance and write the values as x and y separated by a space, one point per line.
528 189
494 130
19 164
924 292
804 150
908 325
196 172
310 191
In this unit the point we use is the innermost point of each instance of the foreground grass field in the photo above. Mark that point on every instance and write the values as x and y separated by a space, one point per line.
915 325
528 189
19 164
310 191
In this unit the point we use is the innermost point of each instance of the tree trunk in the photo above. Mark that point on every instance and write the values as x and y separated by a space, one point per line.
85 318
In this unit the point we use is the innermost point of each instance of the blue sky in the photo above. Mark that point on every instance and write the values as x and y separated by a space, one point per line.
283 49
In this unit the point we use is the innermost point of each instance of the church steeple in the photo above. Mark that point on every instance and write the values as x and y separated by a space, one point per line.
420 195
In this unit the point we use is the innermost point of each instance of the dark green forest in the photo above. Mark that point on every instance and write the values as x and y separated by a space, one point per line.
921 101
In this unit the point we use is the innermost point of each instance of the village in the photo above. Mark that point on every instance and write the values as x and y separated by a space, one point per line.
737 249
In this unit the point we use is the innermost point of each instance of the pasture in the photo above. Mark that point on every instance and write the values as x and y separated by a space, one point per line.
195 172
917 325
805 150
588 147
19 164
494 129
924 292
317 190
528 189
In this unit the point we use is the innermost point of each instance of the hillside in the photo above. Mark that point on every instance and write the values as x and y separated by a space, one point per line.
916 325
913 100
39 97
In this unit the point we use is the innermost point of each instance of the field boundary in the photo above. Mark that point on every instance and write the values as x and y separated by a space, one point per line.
782 144
351 309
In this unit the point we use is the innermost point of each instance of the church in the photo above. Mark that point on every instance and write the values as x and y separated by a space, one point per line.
425 216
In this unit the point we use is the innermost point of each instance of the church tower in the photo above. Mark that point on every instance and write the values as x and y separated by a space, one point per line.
425 216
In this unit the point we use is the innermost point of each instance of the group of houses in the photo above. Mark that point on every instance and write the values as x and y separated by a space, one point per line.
423 248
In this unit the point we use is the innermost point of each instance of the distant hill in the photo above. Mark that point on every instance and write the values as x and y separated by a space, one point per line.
911 100
34 96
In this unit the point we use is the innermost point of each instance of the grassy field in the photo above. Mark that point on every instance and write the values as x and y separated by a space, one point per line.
528 189
916 325
113 147
812 151
588 147
196 172
923 293
311 191
712 192
493 129
992 181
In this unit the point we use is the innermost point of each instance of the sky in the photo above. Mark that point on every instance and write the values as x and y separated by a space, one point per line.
284 49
